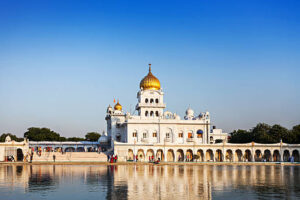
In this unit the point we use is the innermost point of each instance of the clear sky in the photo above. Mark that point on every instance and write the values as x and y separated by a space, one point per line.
62 62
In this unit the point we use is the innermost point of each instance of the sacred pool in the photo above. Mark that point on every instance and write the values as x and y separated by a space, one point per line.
149 182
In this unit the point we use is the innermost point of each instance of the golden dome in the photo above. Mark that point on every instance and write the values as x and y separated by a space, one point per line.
118 106
150 82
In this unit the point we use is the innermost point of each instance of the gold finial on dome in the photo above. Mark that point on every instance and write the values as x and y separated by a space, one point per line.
118 106
150 82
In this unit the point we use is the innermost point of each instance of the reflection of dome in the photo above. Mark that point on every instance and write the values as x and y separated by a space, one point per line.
189 112
150 82
118 106
103 139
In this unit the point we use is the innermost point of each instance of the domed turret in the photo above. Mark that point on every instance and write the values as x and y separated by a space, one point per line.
189 112
150 82
118 106
103 139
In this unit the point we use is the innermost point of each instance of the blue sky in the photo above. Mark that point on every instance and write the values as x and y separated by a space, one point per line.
63 62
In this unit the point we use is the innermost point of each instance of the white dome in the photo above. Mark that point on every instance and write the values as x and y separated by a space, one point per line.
8 139
103 139
189 112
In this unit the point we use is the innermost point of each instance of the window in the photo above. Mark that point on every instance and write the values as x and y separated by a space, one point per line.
151 100
180 135
144 135
134 134
167 135
199 133
151 113
156 113
146 113
154 134
190 135
156 101
146 100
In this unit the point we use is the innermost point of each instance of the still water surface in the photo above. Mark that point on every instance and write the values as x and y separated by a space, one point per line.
148 182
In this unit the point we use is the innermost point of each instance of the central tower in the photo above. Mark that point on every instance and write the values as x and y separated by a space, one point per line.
150 97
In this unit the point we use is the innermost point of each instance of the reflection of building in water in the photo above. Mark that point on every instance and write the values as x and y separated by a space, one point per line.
168 137
152 181
12 176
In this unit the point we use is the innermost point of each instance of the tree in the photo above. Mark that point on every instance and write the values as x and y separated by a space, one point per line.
264 133
41 134
13 137
92 136
296 134
240 136
75 139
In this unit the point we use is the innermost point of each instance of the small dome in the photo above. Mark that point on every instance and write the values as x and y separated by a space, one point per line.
8 139
189 112
103 139
150 82
118 106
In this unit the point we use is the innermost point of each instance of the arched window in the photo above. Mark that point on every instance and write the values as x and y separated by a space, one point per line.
146 113
156 113
144 135
199 133
151 113
146 100
156 101
167 135
154 134
134 134
151 100
180 134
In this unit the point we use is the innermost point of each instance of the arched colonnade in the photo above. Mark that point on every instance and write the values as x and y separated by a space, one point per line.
214 154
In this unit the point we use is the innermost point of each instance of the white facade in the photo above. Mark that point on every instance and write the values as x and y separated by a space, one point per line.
155 126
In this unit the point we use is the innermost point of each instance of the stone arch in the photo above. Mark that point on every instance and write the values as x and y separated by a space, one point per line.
267 155
80 149
229 155
180 155
238 155
20 155
141 155
276 156
149 154
189 155
209 156
170 155
286 155
258 156
219 155
295 154
248 155
160 154
130 155
70 149
200 155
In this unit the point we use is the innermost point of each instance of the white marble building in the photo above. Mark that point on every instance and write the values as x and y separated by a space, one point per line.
155 126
